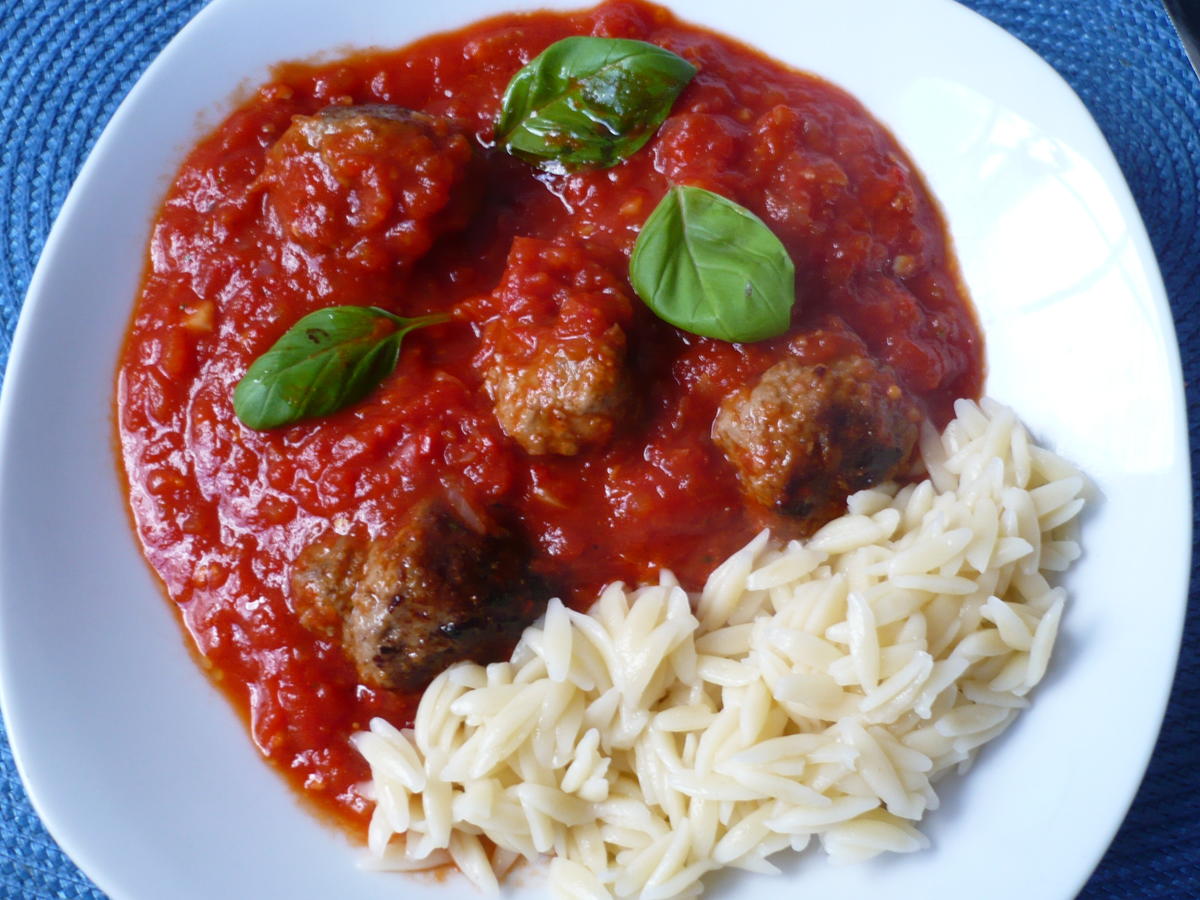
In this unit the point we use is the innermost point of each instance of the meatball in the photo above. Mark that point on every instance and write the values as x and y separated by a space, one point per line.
445 587
375 185
556 359
804 437
565 397
323 580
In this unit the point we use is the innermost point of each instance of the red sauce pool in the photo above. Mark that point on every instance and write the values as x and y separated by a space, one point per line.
222 510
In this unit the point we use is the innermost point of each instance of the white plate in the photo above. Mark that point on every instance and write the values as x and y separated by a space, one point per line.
149 780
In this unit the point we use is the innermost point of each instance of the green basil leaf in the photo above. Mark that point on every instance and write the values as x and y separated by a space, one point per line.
712 267
589 101
329 359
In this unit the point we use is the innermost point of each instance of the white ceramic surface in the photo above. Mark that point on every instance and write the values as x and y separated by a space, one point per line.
147 777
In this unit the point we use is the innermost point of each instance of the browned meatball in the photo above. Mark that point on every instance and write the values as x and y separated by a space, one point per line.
565 397
375 184
444 588
804 437
323 580
557 367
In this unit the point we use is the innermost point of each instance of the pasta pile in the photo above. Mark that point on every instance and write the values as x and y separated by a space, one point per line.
813 690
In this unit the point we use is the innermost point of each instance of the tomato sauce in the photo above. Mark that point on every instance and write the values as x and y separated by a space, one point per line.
222 510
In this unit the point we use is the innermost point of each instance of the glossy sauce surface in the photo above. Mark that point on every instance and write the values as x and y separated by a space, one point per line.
222 510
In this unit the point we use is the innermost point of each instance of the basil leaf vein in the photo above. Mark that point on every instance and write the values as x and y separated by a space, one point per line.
327 360
713 268
589 101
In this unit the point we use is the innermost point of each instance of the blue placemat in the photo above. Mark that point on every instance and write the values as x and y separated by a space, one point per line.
64 67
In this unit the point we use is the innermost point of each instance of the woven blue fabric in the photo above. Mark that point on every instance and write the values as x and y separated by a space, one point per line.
64 66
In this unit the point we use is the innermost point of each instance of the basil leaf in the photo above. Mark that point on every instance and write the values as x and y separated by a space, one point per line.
589 101
327 360
711 267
